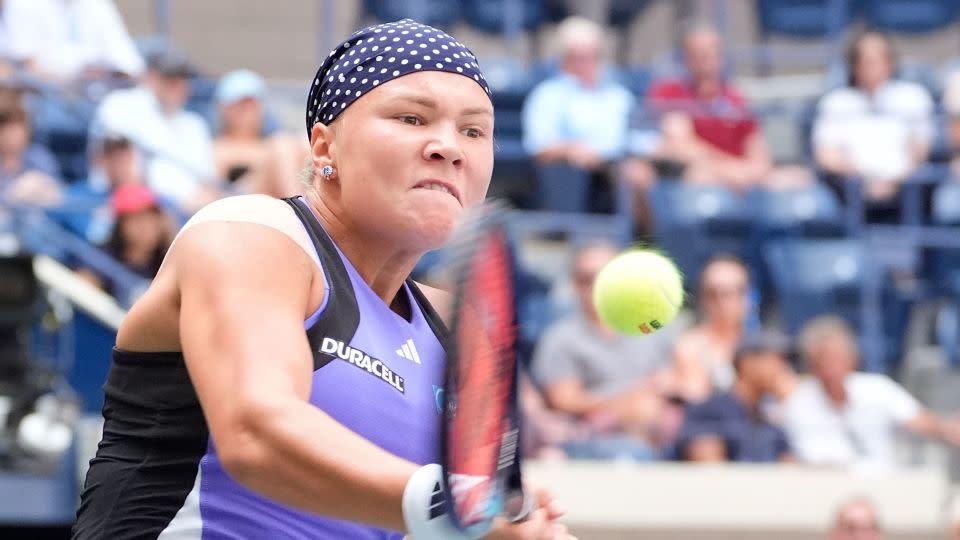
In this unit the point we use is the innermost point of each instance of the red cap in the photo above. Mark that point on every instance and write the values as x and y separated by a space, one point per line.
130 198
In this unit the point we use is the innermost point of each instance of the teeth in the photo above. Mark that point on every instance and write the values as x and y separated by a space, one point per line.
437 187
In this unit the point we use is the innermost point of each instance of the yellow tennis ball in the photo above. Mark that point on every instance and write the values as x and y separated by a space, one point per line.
638 292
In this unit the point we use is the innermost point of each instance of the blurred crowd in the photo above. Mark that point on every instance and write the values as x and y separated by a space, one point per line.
717 385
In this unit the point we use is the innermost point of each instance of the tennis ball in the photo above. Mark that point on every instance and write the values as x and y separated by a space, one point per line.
638 292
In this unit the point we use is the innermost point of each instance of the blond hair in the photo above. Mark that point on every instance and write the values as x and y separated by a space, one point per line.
578 30
821 329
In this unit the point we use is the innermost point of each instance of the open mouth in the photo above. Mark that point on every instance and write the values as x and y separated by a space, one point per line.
443 187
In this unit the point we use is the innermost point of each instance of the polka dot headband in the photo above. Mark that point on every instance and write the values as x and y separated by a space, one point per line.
380 53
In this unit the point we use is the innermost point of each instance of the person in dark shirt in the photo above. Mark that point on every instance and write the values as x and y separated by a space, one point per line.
732 426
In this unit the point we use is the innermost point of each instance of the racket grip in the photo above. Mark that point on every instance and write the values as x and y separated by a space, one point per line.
424 507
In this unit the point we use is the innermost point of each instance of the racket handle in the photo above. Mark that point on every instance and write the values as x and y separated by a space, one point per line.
518 505
424 507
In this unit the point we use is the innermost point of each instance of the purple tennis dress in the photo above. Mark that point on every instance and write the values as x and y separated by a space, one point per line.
157 473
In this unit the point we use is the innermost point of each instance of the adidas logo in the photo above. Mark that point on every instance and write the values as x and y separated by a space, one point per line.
436 501
409 351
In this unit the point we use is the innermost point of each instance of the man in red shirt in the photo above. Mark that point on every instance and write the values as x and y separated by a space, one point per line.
702 124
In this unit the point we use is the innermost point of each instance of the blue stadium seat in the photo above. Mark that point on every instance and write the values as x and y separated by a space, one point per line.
440 13
818 277
692 223
637 79
499 17
513 170
942 265
946 204
803 18
622 12
810 212
909 16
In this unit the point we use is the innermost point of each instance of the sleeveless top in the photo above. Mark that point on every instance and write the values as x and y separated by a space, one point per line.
156 473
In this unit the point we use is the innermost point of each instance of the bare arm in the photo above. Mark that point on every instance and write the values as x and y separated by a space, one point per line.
692 378
930 425
241 328
834 160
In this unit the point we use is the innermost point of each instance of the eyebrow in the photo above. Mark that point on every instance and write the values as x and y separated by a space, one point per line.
430 103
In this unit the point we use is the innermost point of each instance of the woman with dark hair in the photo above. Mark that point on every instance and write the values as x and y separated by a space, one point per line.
141 234
877 128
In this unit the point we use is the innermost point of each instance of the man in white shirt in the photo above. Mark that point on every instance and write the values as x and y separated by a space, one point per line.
176 143
64 39
877 128
844 418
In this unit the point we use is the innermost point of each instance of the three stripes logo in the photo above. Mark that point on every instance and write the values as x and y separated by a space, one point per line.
436 501
409 351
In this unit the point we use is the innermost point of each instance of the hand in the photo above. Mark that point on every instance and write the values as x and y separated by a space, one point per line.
539 525
583 157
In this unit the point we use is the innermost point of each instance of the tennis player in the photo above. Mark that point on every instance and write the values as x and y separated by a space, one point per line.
278 378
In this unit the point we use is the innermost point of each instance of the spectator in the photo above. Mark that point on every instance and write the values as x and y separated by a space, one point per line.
876 128
69 39
844 418
951 105
28 172
732 426
703 356
176 143
704 130
140 237
593 374
245 151
88 211
856 520
576 118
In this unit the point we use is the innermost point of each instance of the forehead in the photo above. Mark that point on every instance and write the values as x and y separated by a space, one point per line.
724 272
446 90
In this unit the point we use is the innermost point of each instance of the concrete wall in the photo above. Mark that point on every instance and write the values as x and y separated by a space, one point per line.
673 501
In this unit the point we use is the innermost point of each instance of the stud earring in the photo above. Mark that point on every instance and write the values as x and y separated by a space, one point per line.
327 171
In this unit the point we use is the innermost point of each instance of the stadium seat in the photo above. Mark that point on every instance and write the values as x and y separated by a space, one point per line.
818 277
909 16
503 16
692 223
942 265
809 212
513 170
622 12
637 79
803 18
440 13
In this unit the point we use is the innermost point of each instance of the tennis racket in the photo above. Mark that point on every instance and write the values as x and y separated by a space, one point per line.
481 423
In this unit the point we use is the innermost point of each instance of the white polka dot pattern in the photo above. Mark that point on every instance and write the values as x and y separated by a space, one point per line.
330 81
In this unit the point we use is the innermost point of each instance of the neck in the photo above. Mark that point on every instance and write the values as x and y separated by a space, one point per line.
10 160
784 386
138 255
706 87
748 395
379 262
724 331
836 392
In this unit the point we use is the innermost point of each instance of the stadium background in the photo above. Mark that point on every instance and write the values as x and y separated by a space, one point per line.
896 282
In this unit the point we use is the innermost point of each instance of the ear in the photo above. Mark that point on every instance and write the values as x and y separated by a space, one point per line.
321 145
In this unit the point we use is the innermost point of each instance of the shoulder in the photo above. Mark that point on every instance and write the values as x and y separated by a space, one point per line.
841 99
670 88
907 94
567 329
254 209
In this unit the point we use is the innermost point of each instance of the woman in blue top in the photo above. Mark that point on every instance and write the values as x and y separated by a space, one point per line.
276 380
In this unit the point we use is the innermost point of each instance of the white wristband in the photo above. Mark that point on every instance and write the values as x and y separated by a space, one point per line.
424 509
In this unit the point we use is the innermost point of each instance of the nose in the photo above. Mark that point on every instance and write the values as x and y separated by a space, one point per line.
444 146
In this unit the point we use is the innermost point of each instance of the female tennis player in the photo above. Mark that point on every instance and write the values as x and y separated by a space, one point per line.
278 378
